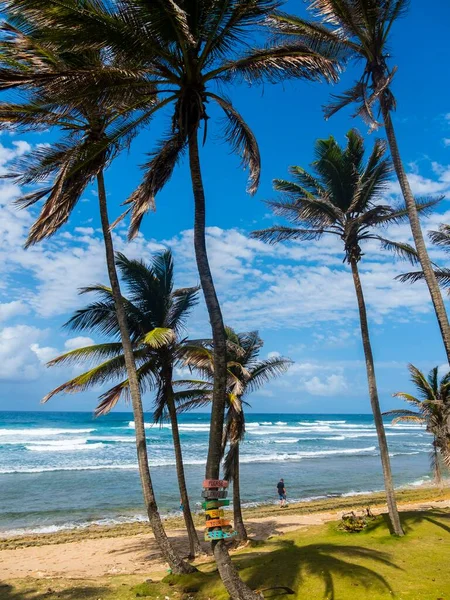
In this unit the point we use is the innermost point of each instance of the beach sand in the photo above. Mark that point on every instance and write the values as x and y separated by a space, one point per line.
132 550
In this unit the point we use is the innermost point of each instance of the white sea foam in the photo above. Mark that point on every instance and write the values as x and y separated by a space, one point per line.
64 447
287 441
190 427
404 453
43 432
303 455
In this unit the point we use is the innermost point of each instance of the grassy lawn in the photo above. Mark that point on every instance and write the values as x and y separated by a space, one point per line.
319 562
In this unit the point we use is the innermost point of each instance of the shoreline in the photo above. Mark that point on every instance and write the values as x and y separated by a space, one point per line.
426 492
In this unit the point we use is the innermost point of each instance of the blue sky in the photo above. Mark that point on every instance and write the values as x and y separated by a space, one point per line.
299 296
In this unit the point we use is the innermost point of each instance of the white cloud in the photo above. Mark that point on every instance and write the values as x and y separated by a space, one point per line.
19 353
12 309
44 353
78 342
331 385
446 141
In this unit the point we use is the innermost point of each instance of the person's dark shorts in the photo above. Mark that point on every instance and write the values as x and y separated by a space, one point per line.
282 496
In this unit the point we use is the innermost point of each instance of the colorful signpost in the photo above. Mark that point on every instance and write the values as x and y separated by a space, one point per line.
215 495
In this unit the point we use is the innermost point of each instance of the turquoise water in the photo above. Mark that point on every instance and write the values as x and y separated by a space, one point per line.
65 470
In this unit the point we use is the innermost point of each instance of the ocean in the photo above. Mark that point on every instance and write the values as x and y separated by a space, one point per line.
61 470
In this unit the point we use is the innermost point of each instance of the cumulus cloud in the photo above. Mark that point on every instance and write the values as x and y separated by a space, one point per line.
20 353
78 342
12 309
332 385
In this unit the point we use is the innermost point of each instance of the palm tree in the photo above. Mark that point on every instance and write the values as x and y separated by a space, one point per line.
95 129
433 409
246 373
343 197
189 49
362 29
156 316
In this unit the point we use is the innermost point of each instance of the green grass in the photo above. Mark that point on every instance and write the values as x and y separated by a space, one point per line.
319 562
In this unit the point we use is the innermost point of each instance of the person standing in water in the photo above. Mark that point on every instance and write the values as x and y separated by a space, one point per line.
281 493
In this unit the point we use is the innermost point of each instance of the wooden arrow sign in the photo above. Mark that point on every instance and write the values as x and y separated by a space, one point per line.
218 523
214 513
211 504
214 494
215 483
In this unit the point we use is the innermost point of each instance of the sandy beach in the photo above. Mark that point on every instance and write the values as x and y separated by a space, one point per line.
132 550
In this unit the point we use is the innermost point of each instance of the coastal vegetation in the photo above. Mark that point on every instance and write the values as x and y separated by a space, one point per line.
97 74
432 408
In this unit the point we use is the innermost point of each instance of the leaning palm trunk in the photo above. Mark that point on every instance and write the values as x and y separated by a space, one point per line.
234 585
175 562
237 508
373 393
194 543
416 230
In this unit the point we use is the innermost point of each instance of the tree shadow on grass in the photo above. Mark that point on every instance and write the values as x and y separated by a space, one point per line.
411 519
290 566
8 592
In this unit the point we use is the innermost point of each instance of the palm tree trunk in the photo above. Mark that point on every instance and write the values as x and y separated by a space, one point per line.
416 230
237 508
373 393
194 543
175 562
436 465
237 589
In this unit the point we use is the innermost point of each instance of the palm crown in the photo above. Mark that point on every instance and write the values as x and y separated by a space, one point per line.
94 127
432 407
156 315
361 30
343 197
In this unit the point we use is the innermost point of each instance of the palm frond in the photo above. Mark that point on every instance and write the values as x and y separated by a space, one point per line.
98 375
242 140
88 353
442 275
183 300
279 62
266 370
279 233
147 379
400 249
159 337
158 171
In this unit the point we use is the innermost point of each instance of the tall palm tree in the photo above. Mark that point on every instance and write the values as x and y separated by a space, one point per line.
189 49
95 129
362 28
343 197
156 315
433 409
246 373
